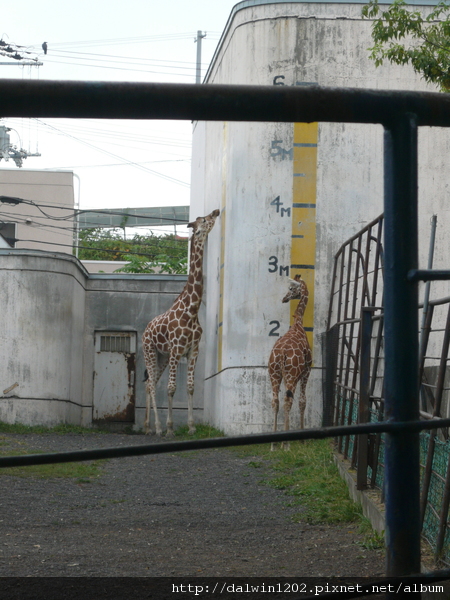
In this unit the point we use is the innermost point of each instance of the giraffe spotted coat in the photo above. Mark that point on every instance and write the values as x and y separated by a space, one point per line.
177 332
290 359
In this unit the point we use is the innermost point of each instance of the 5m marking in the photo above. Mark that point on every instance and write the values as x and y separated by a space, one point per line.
277 150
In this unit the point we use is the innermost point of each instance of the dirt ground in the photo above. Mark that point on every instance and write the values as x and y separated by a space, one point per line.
196 514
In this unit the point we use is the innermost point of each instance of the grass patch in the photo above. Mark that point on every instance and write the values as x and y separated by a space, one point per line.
372 539
202 432
83 472
308 475
61 429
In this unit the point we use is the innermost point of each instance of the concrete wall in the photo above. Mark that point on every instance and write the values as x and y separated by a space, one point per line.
247 168
42 296
51 309
127 303
53 193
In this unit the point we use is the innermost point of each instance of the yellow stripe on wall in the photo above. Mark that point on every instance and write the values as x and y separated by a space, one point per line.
303 245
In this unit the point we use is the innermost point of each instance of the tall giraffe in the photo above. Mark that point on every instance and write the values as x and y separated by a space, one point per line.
177 332
290 359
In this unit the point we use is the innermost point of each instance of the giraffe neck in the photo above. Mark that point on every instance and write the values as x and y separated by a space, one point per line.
194 285
300 310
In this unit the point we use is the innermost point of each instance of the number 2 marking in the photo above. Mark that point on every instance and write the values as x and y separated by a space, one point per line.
273 331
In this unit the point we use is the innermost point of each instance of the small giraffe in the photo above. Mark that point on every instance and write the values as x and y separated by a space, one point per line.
290 359
177 332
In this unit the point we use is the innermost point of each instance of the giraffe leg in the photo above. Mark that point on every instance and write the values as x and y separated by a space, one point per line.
171 389
275 380
302 400
275 408
302 403
190 388
288 399
151 359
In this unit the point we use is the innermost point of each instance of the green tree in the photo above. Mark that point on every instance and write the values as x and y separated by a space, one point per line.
143 253
404 36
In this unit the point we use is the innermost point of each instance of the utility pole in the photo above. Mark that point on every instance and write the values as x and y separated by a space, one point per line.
198 76
21 64
8 150
13 51
17 53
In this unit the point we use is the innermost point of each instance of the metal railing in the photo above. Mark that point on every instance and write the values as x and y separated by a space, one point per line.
400 113
354 390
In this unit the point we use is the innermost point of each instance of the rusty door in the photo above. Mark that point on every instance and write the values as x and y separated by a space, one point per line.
114 376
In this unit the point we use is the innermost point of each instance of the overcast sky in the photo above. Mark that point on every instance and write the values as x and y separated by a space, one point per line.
119 163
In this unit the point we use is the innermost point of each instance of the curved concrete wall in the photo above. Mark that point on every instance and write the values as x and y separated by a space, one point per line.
41 336
51 310
256 171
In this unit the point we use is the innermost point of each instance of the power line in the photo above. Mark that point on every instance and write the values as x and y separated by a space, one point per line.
130 40
130 163
78 64
118 251
118 164
27 220
75 211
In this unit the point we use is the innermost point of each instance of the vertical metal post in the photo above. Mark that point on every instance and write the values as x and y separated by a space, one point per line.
427 297
402 485
430 266
364 383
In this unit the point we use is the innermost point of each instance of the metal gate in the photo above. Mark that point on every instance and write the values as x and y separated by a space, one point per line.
401 114
114 377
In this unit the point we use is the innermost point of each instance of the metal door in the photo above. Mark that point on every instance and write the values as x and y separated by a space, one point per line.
114 376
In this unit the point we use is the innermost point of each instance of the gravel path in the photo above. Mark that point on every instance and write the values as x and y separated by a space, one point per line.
195 514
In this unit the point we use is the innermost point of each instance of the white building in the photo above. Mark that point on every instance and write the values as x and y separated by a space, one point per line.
291 194
38 209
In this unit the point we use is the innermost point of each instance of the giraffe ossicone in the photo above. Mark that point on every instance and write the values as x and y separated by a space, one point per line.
177 332
290 360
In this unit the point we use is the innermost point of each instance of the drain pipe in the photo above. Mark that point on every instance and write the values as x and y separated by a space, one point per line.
77 216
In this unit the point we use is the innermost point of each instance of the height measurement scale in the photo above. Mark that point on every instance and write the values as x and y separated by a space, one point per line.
296 208
303 217
302 212
303 244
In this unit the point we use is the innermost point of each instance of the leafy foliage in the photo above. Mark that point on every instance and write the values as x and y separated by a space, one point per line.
143 253
404 36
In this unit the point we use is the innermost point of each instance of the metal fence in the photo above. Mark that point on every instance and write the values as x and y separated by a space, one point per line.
400 113
355 378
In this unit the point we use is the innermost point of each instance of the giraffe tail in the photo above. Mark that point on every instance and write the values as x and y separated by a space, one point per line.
145 375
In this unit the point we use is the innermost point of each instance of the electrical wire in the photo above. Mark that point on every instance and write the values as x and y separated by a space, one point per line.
124 134
74 212
130 40
117 164
169 247
106 250
130 163
125 68
24 218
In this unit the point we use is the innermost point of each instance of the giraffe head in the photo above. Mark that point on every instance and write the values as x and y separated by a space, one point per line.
203 225
297 290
